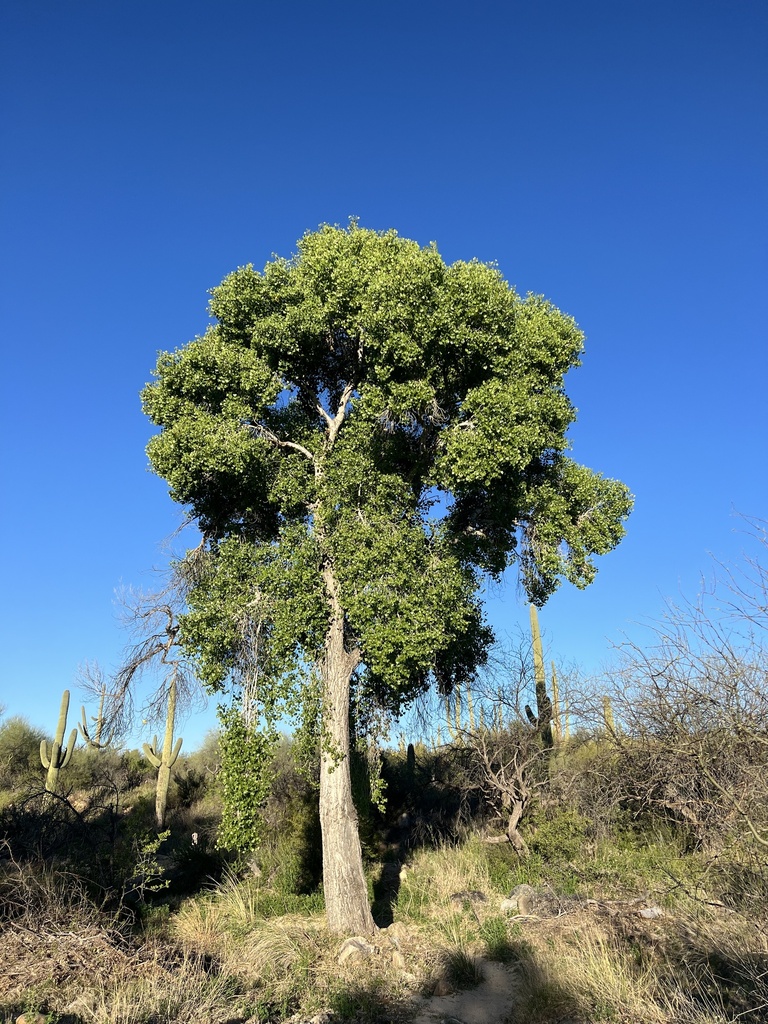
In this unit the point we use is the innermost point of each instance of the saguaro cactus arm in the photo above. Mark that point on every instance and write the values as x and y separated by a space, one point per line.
95 741
155 756
150 749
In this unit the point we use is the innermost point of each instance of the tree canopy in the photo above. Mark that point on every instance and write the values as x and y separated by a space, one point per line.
364 434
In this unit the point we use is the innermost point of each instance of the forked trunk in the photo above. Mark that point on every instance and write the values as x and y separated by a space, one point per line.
346 894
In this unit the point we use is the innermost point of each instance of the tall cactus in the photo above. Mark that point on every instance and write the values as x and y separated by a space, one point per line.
60 755
557 718
543 703
95 742
164 759
566 719
470 708
410 769
608 722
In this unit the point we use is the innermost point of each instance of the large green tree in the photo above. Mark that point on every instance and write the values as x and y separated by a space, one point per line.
363 435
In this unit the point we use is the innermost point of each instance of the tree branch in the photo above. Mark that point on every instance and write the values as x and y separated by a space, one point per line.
259 430
334 425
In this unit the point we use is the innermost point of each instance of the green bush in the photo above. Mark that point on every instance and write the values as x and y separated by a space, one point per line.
20 754
559 836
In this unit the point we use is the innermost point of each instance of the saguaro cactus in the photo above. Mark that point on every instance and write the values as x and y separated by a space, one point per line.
557 718
543 703
60 755
608 722
95 741
164 759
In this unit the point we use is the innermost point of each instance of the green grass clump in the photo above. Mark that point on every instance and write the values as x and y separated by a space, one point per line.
499 946
461 969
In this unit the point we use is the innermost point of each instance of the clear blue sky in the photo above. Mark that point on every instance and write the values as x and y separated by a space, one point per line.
608 154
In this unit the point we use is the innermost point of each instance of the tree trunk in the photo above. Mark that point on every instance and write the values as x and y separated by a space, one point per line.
346 894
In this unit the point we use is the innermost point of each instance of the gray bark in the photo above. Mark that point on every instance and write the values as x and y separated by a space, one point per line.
346 893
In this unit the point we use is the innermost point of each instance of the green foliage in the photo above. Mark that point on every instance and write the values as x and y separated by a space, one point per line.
276 902
289 854
438 455
136 766
93 769
245 778
494 931
140 867
559 836
19 752
191 786
505 869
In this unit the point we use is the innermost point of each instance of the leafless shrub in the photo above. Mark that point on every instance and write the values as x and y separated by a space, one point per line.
691 711
496 757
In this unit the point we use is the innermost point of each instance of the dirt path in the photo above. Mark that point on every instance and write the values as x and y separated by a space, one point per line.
489 1003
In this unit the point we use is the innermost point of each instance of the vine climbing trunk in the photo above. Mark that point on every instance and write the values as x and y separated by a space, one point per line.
346 893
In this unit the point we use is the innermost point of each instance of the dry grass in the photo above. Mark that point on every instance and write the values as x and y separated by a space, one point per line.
186 994
583 961
615 969
200 926
432 884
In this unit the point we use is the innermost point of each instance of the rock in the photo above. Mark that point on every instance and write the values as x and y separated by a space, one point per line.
31 1018
522 899
356 946
651 913
398 960
470 896
396 933
81 1006
324 1017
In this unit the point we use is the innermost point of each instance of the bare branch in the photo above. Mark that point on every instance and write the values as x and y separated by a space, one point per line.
334 425
259 430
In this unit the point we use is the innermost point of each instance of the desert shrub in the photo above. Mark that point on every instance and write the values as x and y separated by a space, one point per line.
191 786
92 769
20 753
558 835
290 858
691 707
206 760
